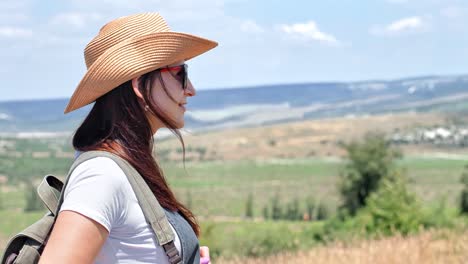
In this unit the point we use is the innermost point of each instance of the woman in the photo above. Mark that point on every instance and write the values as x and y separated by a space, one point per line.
137 77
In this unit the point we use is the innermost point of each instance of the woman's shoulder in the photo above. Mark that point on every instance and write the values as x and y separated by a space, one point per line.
98 189
99 165
99 170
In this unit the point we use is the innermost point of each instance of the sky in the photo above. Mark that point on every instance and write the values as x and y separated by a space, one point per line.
260 41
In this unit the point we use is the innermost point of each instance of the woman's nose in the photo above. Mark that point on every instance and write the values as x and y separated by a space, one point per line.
190 90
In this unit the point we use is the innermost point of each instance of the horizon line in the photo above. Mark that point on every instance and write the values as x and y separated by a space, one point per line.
253 86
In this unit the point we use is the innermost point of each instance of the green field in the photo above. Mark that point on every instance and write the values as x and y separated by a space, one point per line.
229 183
221 188
218 191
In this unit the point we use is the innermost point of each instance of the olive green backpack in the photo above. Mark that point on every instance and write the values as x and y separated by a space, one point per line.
27 246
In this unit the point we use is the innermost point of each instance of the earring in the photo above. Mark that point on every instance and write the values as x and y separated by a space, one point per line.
146 108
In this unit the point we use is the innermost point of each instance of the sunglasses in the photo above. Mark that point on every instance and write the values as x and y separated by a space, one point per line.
181 75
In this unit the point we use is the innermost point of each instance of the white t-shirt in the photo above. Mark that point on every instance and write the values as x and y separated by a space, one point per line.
99 189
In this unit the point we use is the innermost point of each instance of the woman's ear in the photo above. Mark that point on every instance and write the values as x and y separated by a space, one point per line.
135 82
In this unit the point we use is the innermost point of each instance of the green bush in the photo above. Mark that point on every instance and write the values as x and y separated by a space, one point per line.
392 208
276 210
369 161
464 193
439 215
249 206
344 227
257 239
292 211
310 207
323 212
266 213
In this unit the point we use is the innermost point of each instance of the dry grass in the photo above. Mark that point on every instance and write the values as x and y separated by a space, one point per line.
440 246
297 139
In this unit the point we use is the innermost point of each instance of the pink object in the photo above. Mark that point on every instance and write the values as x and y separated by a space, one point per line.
204 255
205 260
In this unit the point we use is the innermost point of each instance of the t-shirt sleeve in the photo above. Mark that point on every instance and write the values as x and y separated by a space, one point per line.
96 190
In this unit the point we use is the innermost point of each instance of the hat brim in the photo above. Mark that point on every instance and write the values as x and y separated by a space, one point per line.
132 58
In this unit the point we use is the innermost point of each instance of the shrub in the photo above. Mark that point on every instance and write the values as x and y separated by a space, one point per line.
392 208
292 211
464 193
272 142
266 214
201 151
323 211
440 215
369 162
276 210
249 206
310 206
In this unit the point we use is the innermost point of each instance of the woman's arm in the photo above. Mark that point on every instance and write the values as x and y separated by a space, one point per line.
74 239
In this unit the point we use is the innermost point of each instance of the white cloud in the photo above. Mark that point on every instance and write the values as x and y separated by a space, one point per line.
402 26
4 116
405 24
250 26
15 32
75 19
308 31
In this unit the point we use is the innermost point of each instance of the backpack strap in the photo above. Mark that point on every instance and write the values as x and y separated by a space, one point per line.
150 206
49 192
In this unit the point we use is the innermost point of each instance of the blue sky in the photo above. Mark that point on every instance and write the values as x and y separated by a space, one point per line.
260 42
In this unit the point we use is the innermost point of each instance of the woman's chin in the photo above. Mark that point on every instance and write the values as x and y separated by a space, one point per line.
180 124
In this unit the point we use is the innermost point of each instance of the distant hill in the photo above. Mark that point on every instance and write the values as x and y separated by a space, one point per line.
253 106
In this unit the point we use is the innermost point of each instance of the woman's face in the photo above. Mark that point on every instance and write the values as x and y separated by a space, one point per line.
173 100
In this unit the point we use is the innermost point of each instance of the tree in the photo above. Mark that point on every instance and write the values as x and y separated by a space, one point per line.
464 193
292 210
249 206
310 205
276 211
322 211
266 214
368 162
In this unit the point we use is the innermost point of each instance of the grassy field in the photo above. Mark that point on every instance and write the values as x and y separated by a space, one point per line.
304 139
296 161
430 247
219 190
300 242
230 182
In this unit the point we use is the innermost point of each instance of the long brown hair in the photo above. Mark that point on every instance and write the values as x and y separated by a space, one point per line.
117 123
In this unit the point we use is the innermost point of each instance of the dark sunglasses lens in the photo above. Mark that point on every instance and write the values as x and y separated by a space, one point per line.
185 79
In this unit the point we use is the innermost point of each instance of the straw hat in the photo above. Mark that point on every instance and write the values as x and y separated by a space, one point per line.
128 47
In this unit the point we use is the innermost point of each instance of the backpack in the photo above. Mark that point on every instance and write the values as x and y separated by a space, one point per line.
27 246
